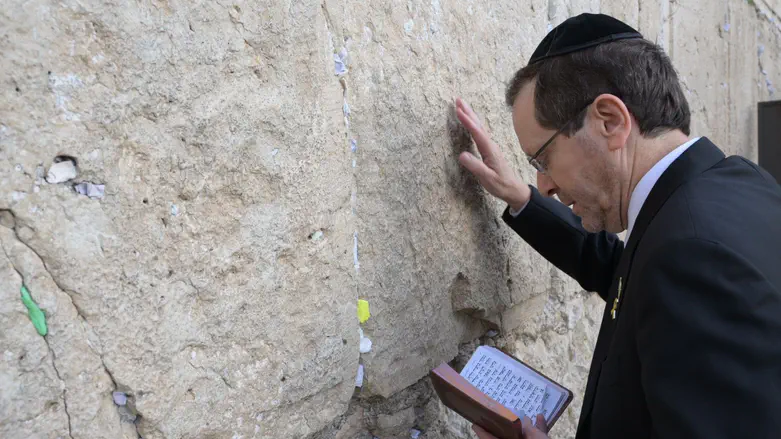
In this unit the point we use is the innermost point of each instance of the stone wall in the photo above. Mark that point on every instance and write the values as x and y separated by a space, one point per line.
266 164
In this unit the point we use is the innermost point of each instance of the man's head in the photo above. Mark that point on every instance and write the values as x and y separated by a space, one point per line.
592 104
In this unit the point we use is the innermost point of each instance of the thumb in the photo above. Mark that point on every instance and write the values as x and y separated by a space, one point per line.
526 426
529 431
541 424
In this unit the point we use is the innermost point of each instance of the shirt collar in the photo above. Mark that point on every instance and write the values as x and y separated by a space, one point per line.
644 186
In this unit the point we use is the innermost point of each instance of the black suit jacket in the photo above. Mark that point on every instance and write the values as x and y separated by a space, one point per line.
694 350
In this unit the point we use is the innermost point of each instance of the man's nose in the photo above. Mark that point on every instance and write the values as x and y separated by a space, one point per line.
546 185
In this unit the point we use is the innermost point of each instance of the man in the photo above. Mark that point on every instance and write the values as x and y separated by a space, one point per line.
690 341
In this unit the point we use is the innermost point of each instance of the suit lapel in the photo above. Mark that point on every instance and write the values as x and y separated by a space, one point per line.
701 156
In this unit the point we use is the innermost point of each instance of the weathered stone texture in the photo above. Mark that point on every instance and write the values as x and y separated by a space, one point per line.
217 131
252 195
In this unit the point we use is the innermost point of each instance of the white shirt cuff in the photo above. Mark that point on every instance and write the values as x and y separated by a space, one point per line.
518 212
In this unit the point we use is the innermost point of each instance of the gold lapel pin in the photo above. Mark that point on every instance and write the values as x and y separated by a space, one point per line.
617 299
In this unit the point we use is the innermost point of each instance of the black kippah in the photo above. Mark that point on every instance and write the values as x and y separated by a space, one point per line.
582 32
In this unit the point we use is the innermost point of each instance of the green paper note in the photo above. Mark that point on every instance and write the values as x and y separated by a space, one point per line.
35 313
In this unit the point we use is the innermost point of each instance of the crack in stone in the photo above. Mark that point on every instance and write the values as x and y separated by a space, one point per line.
329 24
772 10
763 72
225 381
208 371
45 267
115 389
328 21
235 20
45 340
64 387
135 425
762 14
330 28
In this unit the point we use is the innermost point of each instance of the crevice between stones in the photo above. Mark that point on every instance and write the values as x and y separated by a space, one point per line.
416 397
328 21
766 15
768 84
117 388
342 81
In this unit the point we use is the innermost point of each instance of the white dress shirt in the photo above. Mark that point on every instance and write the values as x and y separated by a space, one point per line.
644 186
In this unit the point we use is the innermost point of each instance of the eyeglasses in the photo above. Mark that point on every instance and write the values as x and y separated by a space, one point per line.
534 159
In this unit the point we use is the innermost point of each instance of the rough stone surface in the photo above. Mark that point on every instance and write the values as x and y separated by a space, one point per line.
252 195
194 278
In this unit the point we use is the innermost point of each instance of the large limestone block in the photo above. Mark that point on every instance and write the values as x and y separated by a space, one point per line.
435 262
200 279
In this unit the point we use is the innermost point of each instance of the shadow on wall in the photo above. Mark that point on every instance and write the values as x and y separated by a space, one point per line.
463 184
469 295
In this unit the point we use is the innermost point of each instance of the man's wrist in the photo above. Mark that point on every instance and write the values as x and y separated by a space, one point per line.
520 199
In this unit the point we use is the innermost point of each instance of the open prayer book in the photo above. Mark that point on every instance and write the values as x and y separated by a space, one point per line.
495 391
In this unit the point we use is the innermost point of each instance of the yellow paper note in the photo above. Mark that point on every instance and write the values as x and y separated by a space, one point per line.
363 310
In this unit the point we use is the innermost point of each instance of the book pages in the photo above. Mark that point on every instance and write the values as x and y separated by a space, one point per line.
512 384
505 383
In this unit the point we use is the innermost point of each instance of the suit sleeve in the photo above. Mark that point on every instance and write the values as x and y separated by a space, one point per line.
557 234
709 343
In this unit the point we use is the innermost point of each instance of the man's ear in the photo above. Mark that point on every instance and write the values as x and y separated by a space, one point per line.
614 120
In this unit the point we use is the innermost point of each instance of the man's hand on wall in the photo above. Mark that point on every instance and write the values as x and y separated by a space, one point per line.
493 172
529 430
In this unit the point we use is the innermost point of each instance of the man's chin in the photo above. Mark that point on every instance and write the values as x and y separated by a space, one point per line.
612 227
592 225
596 220
592 229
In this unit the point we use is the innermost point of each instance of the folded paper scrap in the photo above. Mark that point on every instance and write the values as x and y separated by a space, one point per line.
363 311
365 345
359 376
90 189
35 313
120 398
340 62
